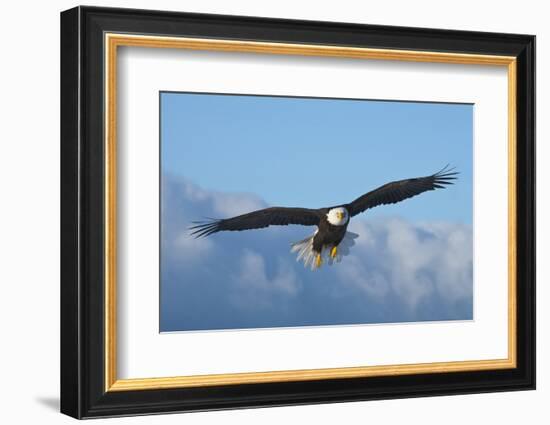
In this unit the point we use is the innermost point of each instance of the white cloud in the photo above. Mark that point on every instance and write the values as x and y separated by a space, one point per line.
254 289
413 260
236 204
189 249
397 271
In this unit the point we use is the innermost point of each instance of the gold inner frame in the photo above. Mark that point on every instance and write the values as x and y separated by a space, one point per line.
113 41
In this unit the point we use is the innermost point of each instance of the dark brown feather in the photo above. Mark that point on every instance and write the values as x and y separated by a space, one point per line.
273 216
400 190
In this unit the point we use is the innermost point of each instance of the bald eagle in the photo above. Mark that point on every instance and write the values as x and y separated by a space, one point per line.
331 240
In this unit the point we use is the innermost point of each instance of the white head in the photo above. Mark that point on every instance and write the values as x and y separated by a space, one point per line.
338 216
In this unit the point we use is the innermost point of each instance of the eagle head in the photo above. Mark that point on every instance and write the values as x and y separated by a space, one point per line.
338 216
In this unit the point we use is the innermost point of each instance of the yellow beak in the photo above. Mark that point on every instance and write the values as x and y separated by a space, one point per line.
340 215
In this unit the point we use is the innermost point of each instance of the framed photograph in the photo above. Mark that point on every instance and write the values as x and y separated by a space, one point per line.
261 212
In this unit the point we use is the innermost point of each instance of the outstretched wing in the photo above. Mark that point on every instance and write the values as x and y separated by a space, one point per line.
274 216
400 190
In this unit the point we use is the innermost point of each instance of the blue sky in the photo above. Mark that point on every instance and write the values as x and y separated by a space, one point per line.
319 152
226 155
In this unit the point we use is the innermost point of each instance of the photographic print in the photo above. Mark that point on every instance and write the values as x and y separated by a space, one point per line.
311 197
284 211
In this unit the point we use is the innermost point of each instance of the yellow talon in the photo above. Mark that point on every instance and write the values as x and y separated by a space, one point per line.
318 261
334 252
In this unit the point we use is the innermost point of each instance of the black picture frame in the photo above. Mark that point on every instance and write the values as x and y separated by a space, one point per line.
83 392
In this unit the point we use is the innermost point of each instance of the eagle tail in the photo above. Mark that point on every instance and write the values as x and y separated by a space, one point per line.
305 252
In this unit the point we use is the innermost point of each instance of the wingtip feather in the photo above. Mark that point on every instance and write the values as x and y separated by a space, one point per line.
204 228
445 176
